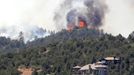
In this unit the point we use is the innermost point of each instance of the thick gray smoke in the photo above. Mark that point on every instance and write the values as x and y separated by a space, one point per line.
92 12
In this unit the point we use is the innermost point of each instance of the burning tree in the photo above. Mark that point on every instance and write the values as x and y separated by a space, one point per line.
81 14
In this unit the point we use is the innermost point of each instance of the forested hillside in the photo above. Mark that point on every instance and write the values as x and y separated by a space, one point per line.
58 53
8 45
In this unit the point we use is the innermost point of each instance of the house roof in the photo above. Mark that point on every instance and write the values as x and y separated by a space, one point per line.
76 67
86 67
100 62
111 58
95 66
92 66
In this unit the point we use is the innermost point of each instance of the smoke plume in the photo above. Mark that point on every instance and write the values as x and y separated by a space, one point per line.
74 12
113 16
34 16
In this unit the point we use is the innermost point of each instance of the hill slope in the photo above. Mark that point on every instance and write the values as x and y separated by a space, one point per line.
58 53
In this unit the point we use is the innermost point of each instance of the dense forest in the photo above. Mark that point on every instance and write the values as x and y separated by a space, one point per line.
58 53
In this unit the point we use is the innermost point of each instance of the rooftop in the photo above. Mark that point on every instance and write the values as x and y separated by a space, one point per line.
111 58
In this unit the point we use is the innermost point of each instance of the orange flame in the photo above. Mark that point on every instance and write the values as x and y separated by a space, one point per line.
82 24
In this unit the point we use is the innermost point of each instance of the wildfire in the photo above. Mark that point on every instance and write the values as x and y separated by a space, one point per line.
82 24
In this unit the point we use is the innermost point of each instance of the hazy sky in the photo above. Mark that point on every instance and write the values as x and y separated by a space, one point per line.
21 14
120 17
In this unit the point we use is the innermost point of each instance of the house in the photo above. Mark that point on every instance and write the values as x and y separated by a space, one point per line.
112 60
97 68
85 70
93 69
76 70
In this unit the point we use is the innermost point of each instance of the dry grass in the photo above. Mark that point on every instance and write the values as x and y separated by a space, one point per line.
26 71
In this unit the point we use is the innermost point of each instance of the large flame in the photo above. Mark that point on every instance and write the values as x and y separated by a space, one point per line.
82 24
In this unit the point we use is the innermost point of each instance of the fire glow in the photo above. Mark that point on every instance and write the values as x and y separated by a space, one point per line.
82 24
